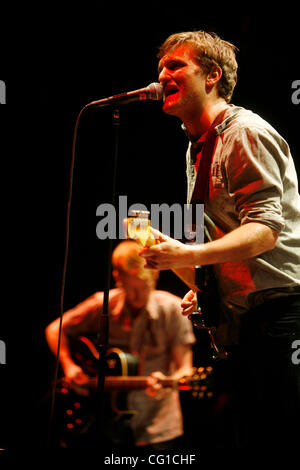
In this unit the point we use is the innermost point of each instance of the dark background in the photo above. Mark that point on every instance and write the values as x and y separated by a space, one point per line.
54 62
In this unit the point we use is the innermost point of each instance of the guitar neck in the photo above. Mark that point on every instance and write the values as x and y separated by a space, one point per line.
130 383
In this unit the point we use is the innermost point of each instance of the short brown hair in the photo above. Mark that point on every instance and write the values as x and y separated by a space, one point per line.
126 260
210 50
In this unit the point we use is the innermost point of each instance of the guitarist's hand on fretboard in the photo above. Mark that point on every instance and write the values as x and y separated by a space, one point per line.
171 252
166 253
154 387
76 379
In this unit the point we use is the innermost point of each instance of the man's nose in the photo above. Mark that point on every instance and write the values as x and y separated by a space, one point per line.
163 75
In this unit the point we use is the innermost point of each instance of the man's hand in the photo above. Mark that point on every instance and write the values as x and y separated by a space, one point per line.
76 379
154 388
189 303
167 254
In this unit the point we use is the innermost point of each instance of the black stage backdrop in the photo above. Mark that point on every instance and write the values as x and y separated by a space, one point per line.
53 63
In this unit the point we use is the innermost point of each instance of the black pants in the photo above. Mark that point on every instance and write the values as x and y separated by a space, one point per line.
265 372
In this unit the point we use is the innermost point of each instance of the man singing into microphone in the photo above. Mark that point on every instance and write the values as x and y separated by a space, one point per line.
252 212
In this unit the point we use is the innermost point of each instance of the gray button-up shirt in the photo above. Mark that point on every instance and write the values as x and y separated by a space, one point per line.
252 179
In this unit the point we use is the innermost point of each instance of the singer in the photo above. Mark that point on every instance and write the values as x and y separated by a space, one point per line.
243 171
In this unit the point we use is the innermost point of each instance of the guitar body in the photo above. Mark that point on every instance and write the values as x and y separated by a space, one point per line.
117 363
75 421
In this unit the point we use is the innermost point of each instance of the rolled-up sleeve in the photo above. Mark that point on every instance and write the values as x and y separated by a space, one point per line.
255 165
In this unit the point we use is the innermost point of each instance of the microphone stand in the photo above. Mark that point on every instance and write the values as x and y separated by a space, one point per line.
103 332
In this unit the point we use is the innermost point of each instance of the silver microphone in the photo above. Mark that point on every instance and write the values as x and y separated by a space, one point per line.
154 91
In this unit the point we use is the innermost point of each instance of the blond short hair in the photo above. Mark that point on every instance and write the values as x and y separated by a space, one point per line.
126 260
210 50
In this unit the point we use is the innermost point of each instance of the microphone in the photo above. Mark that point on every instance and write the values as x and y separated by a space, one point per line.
154 91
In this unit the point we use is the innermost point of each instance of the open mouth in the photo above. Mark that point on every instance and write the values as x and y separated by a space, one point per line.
170 90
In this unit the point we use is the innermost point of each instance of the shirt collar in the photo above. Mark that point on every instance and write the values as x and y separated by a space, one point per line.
150 308
220 128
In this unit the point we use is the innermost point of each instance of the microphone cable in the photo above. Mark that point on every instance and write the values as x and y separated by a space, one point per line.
64 274
155 93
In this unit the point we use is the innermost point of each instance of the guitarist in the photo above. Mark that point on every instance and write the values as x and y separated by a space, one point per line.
248 186
147 323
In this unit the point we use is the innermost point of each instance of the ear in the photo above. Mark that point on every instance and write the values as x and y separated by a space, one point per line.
213 77
116 276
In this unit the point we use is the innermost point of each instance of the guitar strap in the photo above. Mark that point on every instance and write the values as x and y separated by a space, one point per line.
203 276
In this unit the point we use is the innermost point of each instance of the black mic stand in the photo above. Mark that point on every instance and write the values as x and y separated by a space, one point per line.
103 332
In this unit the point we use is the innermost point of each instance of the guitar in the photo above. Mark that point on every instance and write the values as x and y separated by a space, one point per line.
77 413
121 371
